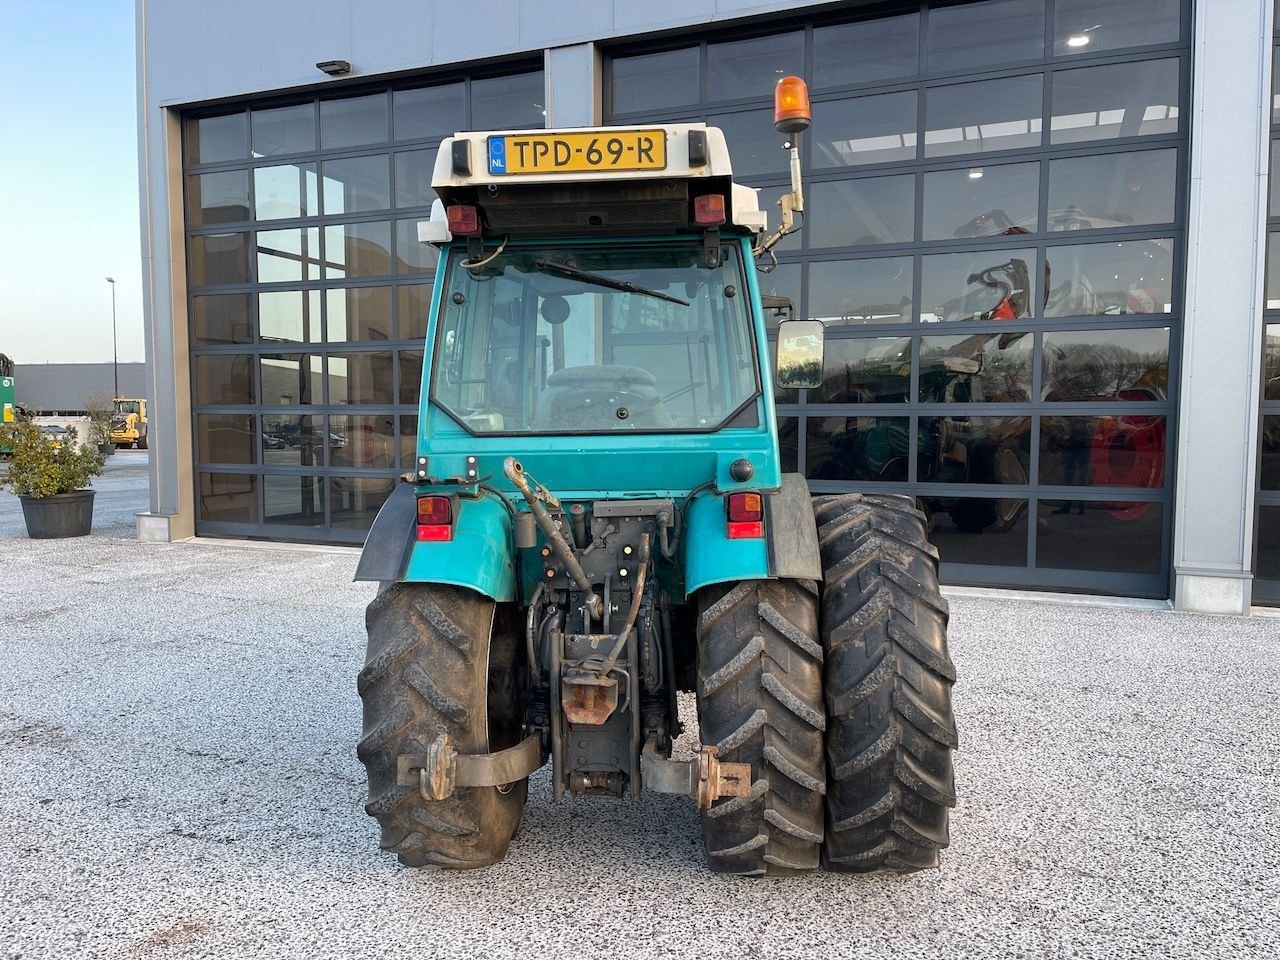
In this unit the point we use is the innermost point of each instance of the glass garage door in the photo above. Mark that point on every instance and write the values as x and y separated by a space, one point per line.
994 240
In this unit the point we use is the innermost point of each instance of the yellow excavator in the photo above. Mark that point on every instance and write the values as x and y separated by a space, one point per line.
129 423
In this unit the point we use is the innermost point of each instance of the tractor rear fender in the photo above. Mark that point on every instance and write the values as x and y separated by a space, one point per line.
478 557
789 549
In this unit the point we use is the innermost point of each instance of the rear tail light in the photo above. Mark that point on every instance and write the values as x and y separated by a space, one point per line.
435 519
464 219
708 210
745 516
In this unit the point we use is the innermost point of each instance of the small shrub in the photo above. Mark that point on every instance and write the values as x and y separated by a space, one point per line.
41 466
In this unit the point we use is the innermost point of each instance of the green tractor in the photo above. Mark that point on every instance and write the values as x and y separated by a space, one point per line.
597 520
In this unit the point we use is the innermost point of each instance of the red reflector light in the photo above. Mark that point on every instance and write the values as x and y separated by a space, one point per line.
435 519
751 530
464 219
745 508
708 210
435 532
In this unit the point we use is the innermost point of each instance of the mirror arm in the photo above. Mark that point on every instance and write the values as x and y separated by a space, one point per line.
790 203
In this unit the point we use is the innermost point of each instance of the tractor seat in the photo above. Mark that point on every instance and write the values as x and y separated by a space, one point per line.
589 397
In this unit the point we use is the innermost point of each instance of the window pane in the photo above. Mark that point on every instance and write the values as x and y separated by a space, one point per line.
867 51
754 146
1091 535
229 497
210 139
652 81
857 448
1268 543
353 121
357 250
289 315
1129 277
289 379
982 201
1269 473
509 103
979 285
412 255
227 438
1272 291
1087 26
1118 189
861 291
356 184
218 197
1271 362
366 441
408 440
361 378
221 319
990 450
874 370
414 302
1083 365
355 501
864 130
288 255
851 212
223 379
429 112
1122 100
979 530
1273 207
413 178
279 193
359 313
985 34
984 116
410 376
297 501
284 130
784 280
789 443
1126 451
977 368
292 440
219 258
752 68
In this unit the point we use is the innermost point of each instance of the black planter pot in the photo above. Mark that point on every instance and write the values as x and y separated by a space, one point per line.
62 515
106 449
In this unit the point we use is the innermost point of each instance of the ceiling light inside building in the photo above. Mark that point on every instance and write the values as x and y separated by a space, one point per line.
975 173
1078 40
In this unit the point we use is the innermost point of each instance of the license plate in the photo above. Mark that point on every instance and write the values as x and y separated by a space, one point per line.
577 152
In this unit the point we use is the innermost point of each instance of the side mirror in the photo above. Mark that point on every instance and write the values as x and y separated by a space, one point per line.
800 349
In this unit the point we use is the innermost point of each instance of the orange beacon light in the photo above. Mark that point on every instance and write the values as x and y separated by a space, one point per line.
791 113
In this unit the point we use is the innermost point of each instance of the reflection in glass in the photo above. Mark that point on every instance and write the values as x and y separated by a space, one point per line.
363 441
984 116
754 145
979 530
509 103
355 501
651 81
356 184
1271 362
357 250
412 255
226 438
284 130
1268 543
413 303
1110 279
289 315
1084 365
292 440
867 51
410 376
978 368
228 497
359 313
780 394
353 121
210 139
1269 469
851 212
752 68
297 501
1121 100
982 201
789 443
361 378
1118 536
861 130
429 112
288 255
223 379
858 448
978 285
408 439
285 192
218 197
875 370
217 258
1273 204
861 291
221 319
1120 451
289 379
798 354
1088 26
962 449
1272 290
1113 190
981 35
413 178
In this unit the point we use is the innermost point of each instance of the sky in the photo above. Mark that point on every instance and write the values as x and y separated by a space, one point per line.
68 181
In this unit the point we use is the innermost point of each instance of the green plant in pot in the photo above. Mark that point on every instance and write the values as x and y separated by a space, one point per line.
100 410
51 478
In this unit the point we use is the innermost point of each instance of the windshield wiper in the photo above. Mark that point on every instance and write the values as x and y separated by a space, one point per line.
573 273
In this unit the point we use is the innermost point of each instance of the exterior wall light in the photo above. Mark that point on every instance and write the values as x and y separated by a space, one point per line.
334 68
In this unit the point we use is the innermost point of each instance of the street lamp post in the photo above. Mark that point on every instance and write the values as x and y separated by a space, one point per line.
115 350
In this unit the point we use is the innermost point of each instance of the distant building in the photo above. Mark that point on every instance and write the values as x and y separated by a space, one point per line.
60 389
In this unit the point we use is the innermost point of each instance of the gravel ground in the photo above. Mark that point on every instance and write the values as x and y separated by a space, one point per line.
178 779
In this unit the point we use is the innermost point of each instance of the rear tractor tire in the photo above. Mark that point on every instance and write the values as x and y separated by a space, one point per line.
440 659
888 678
760 702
